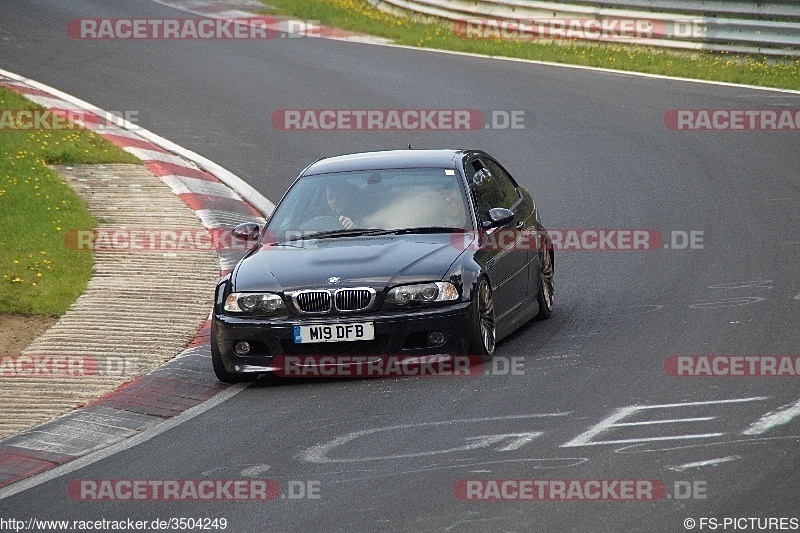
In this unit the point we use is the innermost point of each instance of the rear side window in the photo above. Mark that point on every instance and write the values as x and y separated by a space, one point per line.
508 189
484 188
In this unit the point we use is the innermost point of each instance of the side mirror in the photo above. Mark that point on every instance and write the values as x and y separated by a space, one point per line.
248 231
498 216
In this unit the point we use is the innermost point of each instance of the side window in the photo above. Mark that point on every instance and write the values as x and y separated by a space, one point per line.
484 188
505 183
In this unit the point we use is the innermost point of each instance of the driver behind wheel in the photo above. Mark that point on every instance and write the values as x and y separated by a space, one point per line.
339 204
453 214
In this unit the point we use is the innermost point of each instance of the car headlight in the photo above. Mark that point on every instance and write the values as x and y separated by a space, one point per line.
250 302
437 291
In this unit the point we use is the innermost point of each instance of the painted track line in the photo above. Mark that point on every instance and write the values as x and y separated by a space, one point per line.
603 70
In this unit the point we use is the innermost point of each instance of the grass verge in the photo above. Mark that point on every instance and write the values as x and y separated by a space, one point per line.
39 275
360 16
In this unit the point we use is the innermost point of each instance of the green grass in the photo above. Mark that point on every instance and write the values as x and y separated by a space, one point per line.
360 16
39 275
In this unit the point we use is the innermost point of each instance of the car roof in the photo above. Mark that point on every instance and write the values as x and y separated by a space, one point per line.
387 159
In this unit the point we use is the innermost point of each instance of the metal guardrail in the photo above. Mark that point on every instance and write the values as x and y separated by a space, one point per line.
768 28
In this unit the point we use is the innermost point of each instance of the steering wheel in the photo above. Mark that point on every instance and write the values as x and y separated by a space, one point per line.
321 223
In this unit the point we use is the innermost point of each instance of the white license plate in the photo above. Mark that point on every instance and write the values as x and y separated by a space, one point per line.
361 331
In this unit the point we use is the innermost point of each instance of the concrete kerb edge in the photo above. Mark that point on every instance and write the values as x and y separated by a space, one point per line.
19 462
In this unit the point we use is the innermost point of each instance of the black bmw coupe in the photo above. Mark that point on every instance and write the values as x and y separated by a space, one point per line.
391 254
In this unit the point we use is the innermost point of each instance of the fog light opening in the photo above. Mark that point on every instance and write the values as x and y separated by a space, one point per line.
436 338
241 348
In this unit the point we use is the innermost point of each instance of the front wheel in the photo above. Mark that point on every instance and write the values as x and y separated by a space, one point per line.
545 297
482 327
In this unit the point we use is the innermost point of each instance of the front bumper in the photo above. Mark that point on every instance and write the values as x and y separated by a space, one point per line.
398 333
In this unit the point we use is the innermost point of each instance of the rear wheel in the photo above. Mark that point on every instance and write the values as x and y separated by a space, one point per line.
482 328
545 297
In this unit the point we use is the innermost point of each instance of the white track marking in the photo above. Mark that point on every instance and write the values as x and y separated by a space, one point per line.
256 471
755 284
539 463
640 448
709 462
778 417
318 453
726 302
611 422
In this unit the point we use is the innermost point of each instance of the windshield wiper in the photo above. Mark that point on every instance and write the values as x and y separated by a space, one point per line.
371 232
422 229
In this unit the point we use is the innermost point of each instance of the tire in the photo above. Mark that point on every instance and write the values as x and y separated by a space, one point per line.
482 326
219 367
546 295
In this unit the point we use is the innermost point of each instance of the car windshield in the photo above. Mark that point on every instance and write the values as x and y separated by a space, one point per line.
342 203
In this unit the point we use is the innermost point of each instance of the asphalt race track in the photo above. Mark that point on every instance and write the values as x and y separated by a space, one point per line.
386 454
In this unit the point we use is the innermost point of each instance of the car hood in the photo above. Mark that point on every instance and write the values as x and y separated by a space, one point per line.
358 261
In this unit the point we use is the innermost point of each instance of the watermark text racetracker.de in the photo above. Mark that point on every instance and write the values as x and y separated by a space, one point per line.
733 365
577 490
157 239
732 119
581 28
68 366
386 366
54 119
189 490
398 119
206 28
583 239
573 239
156 29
